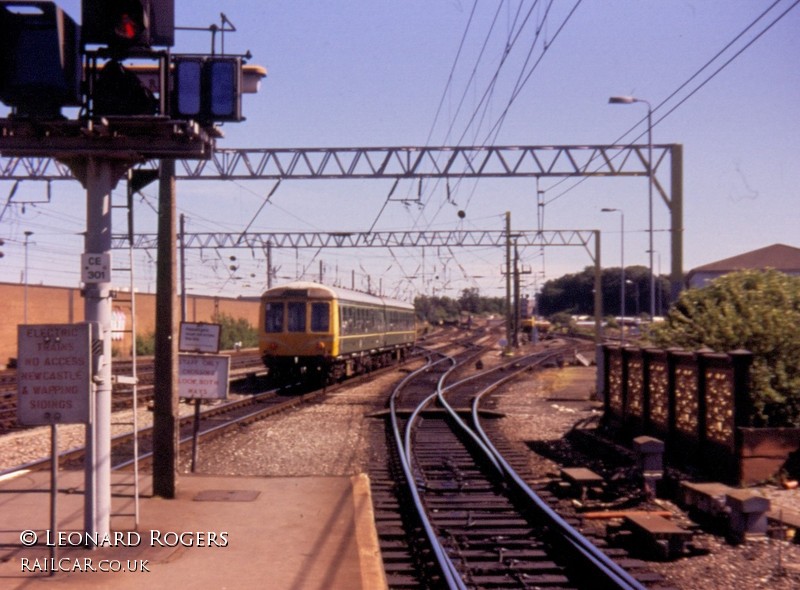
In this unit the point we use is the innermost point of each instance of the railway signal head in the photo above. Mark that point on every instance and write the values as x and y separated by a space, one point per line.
40 62
207 88
123 25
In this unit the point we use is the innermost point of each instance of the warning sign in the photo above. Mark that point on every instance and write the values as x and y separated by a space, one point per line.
203 376
53 374
199 337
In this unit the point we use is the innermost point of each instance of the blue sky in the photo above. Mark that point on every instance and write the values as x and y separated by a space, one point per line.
373 73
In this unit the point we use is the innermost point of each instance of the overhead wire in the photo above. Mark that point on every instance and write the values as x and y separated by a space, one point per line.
687 82
522 79
512 38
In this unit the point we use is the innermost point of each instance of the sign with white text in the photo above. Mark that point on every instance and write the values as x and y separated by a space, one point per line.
53 373
202 376
199 337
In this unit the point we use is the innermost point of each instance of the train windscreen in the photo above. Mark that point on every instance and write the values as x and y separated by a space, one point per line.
320 317
296 316
274 317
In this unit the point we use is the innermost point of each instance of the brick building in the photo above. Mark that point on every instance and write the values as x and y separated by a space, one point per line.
778 256
64 305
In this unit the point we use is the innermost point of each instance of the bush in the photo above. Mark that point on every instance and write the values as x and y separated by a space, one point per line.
757 311
235 330
146 344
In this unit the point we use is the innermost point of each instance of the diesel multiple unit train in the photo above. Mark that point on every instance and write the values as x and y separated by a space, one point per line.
313 332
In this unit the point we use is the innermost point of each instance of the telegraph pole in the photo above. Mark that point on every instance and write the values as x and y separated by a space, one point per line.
165 404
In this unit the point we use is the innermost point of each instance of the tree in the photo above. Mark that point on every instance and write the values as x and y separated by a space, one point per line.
574 293
470 300
446 309
757 311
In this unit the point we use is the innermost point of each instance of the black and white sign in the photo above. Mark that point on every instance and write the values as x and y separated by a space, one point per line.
203 376
53 373
199 337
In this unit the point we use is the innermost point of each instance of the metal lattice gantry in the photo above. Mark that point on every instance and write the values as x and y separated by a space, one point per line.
380 239
385 162
422 162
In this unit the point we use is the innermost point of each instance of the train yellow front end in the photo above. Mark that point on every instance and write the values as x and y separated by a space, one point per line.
312 332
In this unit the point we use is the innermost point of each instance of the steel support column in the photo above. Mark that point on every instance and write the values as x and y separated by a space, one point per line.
676 221
598 291
101 175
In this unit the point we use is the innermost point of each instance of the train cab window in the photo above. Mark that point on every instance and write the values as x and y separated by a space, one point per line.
274 317
320 317
296 316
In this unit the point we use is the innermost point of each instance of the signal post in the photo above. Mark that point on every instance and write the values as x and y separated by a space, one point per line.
122 123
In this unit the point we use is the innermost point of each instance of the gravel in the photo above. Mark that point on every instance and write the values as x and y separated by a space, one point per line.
334 439
533 415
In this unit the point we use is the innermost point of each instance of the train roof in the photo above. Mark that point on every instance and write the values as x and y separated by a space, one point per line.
317 289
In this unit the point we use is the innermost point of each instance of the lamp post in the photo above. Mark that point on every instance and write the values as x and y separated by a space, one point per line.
28 234
622 269
631 100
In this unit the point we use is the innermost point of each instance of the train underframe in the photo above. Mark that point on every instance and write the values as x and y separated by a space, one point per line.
325 370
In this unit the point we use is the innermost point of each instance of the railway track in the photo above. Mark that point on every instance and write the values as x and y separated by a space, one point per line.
242 363
451 508
257 404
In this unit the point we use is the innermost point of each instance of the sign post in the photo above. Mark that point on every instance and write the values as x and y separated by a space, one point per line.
54 387
54 374
202 376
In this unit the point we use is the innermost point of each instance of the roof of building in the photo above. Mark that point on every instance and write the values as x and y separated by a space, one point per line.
778 256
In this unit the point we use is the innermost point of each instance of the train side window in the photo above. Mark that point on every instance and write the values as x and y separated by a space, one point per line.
320 317
346 319
274 317
296 316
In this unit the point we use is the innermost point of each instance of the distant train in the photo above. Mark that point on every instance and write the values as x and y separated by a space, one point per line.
312 332
543 327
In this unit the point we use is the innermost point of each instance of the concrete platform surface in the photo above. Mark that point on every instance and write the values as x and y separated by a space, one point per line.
220 532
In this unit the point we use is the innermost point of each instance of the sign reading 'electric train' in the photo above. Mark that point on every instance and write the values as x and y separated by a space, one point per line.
53 373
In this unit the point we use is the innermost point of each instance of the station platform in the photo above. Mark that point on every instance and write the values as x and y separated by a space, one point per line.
219 532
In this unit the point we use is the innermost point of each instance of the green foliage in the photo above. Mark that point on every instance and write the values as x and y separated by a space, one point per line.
437 310
235 330
574 293
562 322
757 311
146 344
232 330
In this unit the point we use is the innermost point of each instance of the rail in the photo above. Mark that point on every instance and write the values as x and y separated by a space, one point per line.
607 573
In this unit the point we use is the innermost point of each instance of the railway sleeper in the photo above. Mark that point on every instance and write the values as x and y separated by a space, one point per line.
544 581
539 566
480 524
499 534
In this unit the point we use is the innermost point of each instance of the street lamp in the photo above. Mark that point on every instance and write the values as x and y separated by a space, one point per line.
28 234
631 100
622 269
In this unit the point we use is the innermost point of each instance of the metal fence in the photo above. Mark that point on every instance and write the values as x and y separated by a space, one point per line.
693 401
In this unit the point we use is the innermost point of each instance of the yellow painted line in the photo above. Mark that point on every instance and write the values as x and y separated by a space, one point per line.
369 551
